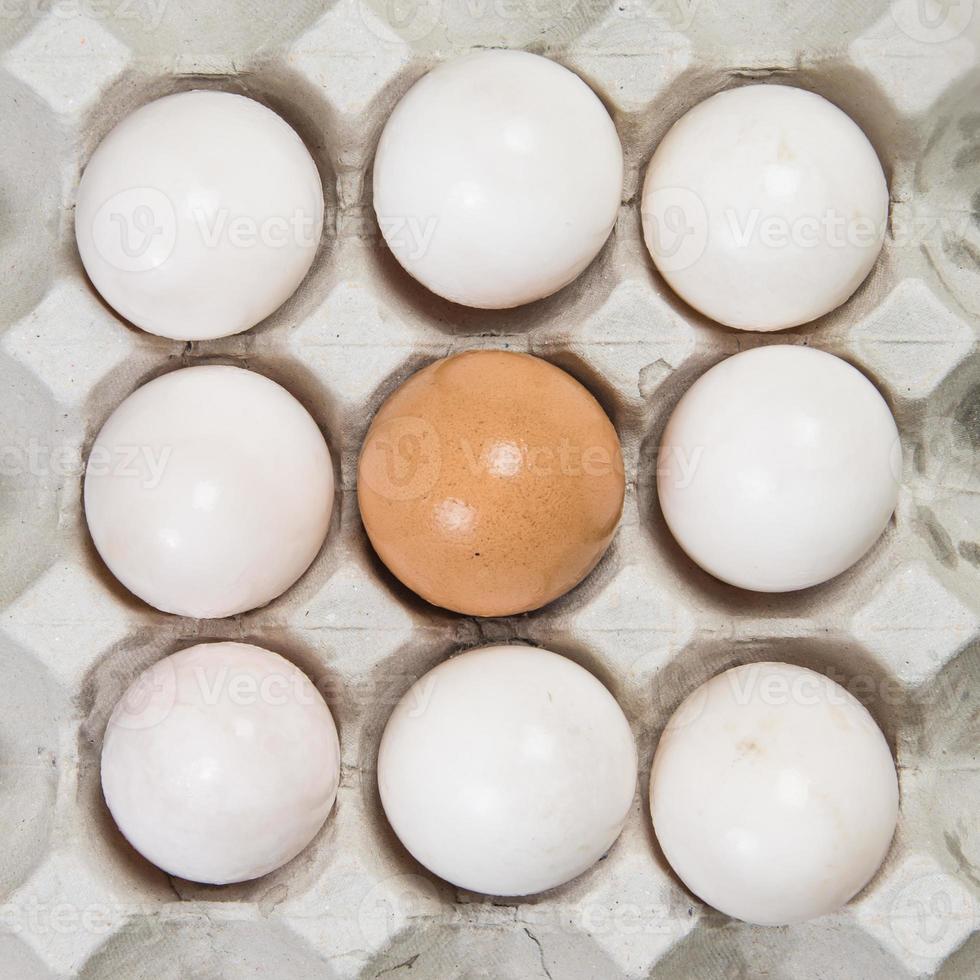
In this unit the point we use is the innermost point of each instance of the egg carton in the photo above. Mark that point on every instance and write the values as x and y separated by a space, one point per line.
899 629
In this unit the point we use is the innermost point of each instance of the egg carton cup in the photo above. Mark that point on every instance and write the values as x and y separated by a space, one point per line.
899 630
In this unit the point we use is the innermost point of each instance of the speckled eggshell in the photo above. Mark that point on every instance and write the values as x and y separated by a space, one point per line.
773 794
491 483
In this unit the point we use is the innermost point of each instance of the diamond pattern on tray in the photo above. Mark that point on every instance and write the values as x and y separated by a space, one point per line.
67 60
919 912
912 339
635 340
64 912
352 319
70 341
366 624
633 910
350 54
636 622
914 624
917 50
632 54
372 897
68 617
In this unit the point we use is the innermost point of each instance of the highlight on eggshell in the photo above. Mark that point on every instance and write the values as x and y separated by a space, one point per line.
208 491
491 482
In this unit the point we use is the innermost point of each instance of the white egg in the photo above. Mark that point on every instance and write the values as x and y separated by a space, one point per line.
498 178
198 215
773 794
765 207
779 468
221 763
209 491
507 770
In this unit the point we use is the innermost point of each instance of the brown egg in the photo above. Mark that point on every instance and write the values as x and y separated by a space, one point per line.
491 483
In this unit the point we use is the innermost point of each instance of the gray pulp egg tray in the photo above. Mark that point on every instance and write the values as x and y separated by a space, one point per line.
899 630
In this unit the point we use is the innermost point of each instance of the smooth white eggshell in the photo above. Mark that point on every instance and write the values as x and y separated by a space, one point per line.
765 207
773 794
199 214
498 178
507 770
779 468
221 763
208 491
